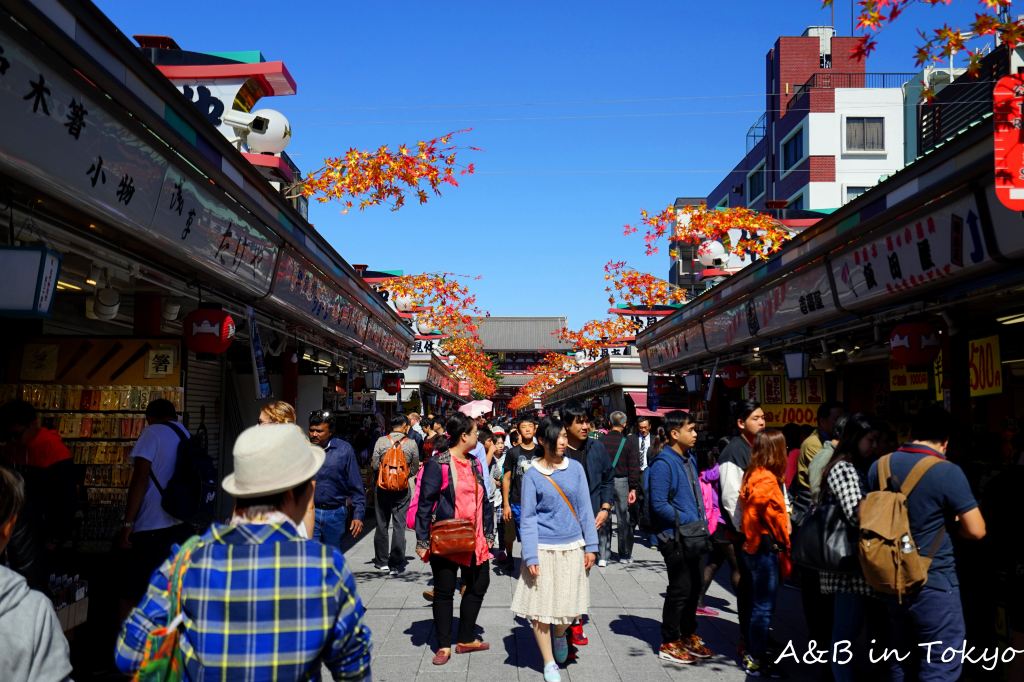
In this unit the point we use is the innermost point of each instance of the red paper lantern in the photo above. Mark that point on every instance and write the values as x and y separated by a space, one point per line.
914 344
209 331
392 384
734 376
359 384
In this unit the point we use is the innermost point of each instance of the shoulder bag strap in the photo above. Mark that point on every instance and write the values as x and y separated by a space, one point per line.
174 584
698 498
884 472
618 453
562 493
181 437
920 469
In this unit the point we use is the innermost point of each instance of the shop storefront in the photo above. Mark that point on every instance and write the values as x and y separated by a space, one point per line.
152 260
907 296
610 384
429 387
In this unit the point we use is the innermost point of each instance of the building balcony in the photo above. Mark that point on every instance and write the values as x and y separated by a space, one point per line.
835 81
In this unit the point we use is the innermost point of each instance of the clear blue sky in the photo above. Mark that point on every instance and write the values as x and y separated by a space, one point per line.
586 112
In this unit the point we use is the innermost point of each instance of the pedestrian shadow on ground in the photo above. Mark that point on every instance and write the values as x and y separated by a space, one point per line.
421 633
648 631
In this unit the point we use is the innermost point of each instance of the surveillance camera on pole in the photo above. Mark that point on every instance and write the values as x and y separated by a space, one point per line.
244 123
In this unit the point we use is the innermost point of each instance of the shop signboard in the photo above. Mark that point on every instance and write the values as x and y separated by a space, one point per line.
785 400
730 326
800 300
589 380
64 141
1007 98
31 275
259 365
302 287
189 218
682 345
56 137
985 367
932 250
442 381
902 378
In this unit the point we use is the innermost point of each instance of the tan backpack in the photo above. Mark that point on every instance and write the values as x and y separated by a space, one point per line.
393 475
889 557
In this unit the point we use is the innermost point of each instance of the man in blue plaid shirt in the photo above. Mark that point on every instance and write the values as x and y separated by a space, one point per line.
258 601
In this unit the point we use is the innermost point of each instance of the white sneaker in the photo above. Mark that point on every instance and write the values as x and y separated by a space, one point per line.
601 563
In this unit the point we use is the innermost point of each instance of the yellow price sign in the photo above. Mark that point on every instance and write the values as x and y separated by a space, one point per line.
986 369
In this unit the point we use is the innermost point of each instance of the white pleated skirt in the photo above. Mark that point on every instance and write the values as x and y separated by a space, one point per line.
560 594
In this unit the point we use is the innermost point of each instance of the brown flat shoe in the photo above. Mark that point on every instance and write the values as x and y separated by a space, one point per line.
470 648
442 656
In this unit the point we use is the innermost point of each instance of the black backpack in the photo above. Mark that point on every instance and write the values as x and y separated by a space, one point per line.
191 492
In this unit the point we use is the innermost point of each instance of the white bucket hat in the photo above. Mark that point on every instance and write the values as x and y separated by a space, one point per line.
271 459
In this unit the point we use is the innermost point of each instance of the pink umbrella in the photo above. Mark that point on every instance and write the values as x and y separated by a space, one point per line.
476 408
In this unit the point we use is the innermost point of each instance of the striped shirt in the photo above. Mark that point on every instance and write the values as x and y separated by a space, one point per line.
259 603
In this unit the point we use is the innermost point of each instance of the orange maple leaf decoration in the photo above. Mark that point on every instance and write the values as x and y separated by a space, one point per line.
449 306
596 334
383 175
551 371
874 15
698 224
636 288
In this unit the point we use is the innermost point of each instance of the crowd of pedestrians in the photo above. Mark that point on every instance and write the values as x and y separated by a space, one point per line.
268 591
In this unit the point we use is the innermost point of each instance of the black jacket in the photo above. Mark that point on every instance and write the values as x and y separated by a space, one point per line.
431 494
600 475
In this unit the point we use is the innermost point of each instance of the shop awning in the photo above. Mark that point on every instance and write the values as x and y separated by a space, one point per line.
640 402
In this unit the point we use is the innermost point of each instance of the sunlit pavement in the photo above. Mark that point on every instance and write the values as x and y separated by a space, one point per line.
623 629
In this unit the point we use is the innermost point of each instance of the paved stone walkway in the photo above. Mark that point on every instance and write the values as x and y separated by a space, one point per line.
623 630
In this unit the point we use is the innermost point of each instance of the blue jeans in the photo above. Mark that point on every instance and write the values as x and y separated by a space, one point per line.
764 584
329 525
846 625
933 614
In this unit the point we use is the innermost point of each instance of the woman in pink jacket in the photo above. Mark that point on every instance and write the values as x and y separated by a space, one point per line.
722 548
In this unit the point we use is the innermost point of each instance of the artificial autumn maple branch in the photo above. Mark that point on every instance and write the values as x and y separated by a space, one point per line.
383 175
942 42
446 305
762 235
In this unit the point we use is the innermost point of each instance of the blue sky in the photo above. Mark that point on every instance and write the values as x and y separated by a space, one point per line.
586 112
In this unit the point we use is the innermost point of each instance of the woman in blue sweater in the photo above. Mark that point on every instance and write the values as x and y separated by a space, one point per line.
559 546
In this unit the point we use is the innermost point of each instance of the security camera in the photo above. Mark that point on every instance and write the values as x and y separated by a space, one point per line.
244 121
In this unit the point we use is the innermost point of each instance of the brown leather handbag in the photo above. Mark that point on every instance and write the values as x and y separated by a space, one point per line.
454 536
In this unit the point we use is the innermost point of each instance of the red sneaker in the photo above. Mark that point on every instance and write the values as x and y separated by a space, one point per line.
576 635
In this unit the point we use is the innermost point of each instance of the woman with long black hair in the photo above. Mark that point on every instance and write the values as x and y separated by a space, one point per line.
452 487
844 482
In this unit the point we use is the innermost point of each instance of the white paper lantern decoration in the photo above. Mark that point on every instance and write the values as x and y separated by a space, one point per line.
403 303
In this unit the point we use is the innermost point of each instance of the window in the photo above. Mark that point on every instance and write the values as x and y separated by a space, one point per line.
723 203
793 150
796 203
865 134
755 183
854 192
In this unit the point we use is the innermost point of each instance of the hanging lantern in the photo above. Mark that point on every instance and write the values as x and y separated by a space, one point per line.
208 331
914 344
392 384
711 253
734 376
359 384
403 303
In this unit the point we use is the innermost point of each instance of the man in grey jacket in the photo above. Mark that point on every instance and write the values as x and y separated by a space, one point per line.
391 506
32 646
